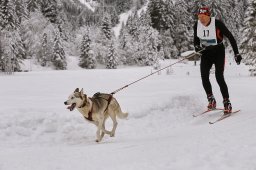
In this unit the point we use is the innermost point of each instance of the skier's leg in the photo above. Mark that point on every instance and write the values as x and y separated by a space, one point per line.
219 73
206 64
205 67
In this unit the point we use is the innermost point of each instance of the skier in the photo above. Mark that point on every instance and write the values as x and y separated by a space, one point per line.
208 35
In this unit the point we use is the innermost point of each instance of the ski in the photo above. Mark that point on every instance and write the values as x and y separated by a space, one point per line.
209 110
224 117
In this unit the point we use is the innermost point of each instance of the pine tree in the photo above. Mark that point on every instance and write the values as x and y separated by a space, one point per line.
111 58
122 36
32 5
148 48
106 26
248 44
49 10
156 10
183 37
132 24
125 49
1 55
8 19
20 10
13 51
123 5
145 19
59 58
87 59
44 52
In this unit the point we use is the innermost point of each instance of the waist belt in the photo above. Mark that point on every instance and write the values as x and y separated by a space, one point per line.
212 46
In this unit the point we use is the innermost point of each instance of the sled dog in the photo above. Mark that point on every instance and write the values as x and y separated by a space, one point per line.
96 110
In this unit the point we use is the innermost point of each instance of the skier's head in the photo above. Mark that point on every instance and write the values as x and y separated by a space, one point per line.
204 11
204 15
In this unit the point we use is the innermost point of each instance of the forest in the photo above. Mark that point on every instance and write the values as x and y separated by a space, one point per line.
48 31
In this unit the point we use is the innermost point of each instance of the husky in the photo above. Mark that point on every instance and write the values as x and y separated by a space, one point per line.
96 110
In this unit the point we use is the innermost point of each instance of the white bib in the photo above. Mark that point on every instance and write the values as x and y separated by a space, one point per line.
207 34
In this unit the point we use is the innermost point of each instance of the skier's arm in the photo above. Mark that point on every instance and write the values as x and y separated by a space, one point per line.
229 35
196 39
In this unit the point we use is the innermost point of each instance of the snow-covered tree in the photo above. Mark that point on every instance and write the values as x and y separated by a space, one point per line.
49 9
12 47
148 47
8 19
87 58
32 5
44 52
133 24
21 10
156 10
106 26
123 5
183 31
145 19
112 58
248 43
125 48
12 51
59 56
32 30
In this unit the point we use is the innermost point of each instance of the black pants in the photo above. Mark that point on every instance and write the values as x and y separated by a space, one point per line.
214 56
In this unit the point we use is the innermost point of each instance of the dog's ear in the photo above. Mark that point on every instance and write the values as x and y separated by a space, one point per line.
85 97
82 92
76 90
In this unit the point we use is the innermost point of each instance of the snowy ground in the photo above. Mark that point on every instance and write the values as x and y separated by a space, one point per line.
37 132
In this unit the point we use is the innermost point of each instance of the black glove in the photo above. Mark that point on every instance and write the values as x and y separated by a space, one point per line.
198 48
238 58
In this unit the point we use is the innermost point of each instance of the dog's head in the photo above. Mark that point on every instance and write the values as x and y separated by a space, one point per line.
76 99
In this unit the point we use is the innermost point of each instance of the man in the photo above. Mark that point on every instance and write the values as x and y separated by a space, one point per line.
208 35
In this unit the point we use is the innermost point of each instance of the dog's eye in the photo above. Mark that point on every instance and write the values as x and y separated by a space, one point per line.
72 97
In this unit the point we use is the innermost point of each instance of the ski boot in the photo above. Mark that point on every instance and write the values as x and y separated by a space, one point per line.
212 102
227 106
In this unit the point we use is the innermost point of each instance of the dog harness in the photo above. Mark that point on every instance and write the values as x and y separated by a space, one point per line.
91 111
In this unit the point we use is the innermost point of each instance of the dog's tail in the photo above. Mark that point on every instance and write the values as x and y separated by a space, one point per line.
122 115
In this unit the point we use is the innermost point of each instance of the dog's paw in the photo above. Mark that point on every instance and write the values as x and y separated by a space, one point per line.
98 140
112 135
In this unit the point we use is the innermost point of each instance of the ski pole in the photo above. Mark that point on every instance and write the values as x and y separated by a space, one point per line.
187 57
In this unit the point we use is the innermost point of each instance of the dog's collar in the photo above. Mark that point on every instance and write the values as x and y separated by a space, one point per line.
83 104
89 113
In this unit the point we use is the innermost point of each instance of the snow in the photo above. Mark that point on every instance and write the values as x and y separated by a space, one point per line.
38 132
123 19
87 4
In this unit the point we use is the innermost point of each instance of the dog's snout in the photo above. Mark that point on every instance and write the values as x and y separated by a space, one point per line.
65 103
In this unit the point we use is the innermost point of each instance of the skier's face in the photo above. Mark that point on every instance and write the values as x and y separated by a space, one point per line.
204 19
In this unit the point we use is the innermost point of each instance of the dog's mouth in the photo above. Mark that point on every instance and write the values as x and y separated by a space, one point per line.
71 107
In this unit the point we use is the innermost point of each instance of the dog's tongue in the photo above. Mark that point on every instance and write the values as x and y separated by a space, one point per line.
71 108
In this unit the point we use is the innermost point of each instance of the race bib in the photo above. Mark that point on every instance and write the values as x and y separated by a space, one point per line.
207 34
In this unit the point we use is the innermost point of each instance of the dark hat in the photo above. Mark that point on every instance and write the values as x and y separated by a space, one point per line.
204 10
